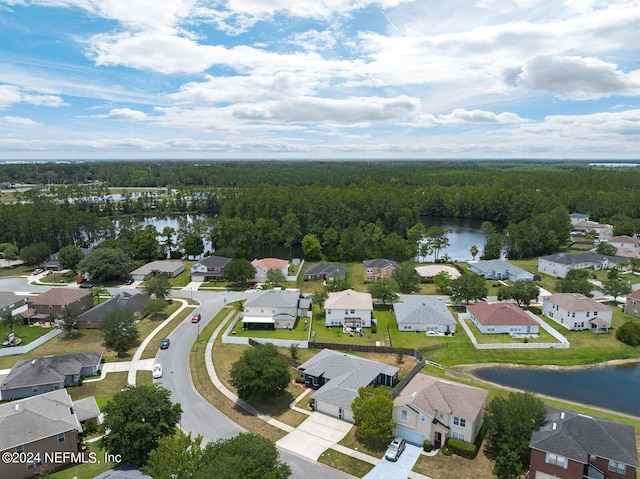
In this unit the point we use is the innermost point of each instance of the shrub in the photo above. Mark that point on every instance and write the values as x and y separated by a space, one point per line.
445 450
374 329
427 446
461 448
299 380
629 333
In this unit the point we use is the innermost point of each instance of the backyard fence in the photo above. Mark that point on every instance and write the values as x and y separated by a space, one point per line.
32 345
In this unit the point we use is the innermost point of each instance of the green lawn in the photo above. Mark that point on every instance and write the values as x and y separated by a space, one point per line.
103 390
25 333
20 270
298 333
87 470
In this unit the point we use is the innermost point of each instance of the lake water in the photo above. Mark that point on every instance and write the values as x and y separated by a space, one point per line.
611 387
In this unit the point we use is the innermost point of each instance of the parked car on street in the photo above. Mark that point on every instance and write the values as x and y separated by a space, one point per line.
165 343
157 371
196 318
86 285
81 280
395 449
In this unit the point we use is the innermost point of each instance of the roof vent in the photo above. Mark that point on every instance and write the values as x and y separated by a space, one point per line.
562 415
17 407
414 394
555 425
33 361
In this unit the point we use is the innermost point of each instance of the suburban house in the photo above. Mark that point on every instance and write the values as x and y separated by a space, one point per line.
432 409
599 231
337 376
170 268
324 271
502 318
378 268
53 263
274 309
10 301
559 264
632 306
577 217
265 264
210 268
135 303
570 445
40 427
49 306
31 377
576 312
424 313
498 269
349 309
627 246
428 271
87 411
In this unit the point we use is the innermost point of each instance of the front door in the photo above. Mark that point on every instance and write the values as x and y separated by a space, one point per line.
437 440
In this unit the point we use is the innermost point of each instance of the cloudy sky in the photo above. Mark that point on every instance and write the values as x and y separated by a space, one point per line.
319 79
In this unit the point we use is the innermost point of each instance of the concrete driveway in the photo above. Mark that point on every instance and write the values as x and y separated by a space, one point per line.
399 469
315 435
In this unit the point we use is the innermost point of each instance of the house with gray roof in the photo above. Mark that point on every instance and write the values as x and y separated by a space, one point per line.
30 377
576 312
632 304
559 264
324 271
10 301
135 303
570 445
210 268
424 313
498 269
274 309
170 268
378 268
434 409
42 427
336 378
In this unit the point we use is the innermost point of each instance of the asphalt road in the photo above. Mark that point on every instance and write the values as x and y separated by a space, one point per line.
198 416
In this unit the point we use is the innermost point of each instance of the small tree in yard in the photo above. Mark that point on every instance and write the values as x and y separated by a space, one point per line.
9 319
69 317
155 306
384 289
275 277
372 413
261 372
120 331
159 286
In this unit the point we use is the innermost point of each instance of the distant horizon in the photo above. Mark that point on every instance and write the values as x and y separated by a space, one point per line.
373 80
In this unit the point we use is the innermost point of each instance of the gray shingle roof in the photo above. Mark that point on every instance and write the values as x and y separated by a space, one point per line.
576 436
48 370
326 269
124 300
36 418
380 263
123 471
588 257
273 298
500 266
86 408
422 309
213 262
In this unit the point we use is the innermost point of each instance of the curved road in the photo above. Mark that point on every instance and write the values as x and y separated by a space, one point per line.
198 416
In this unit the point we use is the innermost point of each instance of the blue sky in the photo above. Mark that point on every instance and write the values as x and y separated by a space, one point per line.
94 79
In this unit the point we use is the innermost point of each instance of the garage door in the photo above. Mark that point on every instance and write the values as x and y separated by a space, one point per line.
411 437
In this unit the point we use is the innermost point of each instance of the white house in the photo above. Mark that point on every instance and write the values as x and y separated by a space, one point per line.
434 409
274 309
559 264
499 269
265 264
349 309
424 313
576 312
501 318
170 268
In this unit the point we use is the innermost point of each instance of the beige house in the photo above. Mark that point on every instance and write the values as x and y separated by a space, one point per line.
274 309
349 309
632 306
50 306
263 265
44 428
576 312
434 409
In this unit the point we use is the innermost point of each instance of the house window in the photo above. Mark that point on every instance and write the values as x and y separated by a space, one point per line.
617 467
423 418
404 415
61 437
595 313
353 311
35 389
592 457
346 311
573 315
557 460
457 435
458 421
587 314
328 311
441 416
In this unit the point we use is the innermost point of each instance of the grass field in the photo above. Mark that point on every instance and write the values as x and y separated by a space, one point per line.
103 390
25 333
86 471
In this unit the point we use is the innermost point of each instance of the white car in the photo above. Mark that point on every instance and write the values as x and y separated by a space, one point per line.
157 371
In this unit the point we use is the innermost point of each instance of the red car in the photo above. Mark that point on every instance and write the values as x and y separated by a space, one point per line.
81 280
196 318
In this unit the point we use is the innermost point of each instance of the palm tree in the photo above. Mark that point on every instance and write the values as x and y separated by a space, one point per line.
474 251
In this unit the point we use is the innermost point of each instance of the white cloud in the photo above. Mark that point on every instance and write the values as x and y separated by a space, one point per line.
17 120
460 115
11 94
125 114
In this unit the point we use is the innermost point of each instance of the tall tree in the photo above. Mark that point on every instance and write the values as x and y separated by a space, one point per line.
239 270
406 277
70 256
158 285
35 254
10 252
311 247
146 246
177 456
261 372
437 238
442 281
136 418
522 292
415 237
193 245
290 231
493 247
106 264
468 287
384 289
69 317
372 412
9 320
120 331
474 251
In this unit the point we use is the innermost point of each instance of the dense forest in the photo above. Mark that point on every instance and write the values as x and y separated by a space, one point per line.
353 209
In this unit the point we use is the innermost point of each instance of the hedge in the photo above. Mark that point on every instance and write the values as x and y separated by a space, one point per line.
462 448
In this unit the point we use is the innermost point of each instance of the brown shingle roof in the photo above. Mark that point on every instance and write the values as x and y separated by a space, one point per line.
60 296
576 302
500 314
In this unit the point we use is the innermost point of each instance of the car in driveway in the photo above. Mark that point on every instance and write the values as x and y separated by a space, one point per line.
196 318
165 343
157 371
129 281
394 449
86 285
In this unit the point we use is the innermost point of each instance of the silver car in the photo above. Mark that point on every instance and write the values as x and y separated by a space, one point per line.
395 449
157 371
